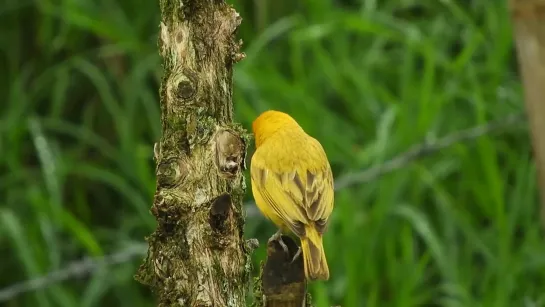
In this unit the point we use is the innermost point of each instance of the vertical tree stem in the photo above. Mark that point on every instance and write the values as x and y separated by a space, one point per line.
197 255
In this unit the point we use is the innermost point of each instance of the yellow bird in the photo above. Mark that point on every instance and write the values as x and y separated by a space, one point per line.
292 185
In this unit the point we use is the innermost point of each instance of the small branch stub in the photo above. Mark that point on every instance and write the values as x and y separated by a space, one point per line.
283 281
230 153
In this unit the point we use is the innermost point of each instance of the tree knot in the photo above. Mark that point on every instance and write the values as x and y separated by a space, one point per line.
230 153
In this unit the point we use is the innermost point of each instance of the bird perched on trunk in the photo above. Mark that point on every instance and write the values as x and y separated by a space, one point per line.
292 185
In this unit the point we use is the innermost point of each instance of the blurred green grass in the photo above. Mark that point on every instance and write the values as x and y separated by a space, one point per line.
80 78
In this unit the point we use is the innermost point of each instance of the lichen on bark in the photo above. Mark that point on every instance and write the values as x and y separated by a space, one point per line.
197 255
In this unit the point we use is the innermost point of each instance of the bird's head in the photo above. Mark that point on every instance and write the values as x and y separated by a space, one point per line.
270 122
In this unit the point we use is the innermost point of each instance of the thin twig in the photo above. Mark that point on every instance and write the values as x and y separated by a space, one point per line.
425 149
73 270
89 266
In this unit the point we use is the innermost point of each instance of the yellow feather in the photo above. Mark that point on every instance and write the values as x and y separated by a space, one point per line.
292 184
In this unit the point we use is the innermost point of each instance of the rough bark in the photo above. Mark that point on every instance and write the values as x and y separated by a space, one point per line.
529 29
197 255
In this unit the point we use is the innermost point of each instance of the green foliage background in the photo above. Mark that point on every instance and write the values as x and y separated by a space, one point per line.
79 84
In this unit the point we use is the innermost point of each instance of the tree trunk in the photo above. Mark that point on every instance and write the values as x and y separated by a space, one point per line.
528 18
197 255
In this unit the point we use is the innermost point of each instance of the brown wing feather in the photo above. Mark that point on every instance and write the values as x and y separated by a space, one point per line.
297 197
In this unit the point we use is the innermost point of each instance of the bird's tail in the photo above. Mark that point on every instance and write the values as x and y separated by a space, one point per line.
314 256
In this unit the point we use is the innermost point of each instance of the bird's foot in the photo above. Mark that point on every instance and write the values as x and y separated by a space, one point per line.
296 255
278 237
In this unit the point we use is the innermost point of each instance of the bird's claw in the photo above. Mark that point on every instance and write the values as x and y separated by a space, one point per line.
296 255
278 237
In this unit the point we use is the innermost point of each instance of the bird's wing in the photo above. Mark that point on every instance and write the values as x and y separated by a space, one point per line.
299 197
